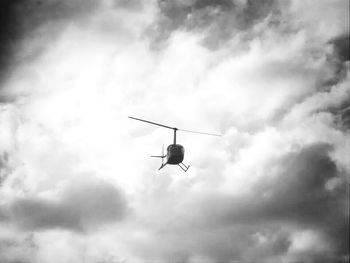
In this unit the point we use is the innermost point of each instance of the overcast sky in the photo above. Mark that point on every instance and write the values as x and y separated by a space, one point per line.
76 180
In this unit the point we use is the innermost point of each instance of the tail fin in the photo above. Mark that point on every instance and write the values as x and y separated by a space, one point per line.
161 156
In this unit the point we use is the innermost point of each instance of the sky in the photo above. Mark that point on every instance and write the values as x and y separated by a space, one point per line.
76 180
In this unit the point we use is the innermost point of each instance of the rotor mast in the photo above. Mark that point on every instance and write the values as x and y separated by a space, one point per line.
175 129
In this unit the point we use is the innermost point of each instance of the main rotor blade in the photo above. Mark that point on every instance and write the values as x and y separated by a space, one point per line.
205 133
151 122
173 128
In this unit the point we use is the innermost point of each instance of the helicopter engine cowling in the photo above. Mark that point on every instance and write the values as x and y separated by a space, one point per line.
175 153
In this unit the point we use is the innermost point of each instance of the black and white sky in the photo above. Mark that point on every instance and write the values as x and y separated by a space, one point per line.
76 180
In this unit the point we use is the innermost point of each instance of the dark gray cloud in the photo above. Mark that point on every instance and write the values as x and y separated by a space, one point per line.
303 195
299 197
18 250
21 20
342 47
8 34
338 59
4 167
345 118
308 194
342 115
219 20
79 208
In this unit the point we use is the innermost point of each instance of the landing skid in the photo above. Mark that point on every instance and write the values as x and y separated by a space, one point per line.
183 167
162 166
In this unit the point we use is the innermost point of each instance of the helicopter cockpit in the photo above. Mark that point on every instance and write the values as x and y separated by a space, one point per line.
175 153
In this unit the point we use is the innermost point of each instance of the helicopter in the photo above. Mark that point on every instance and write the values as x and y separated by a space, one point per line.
175 152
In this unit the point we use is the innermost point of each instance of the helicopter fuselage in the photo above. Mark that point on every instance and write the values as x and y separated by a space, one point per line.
175 154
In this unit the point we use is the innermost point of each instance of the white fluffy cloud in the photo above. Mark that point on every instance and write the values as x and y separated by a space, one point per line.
76 181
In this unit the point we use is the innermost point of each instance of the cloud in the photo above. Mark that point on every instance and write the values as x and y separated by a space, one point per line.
269 75
299 198
325 20
82 205
20 19
3 167
28 27
345 118
219 21
341 45
17 249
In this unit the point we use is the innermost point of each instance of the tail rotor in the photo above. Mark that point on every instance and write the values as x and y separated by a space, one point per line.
161 156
